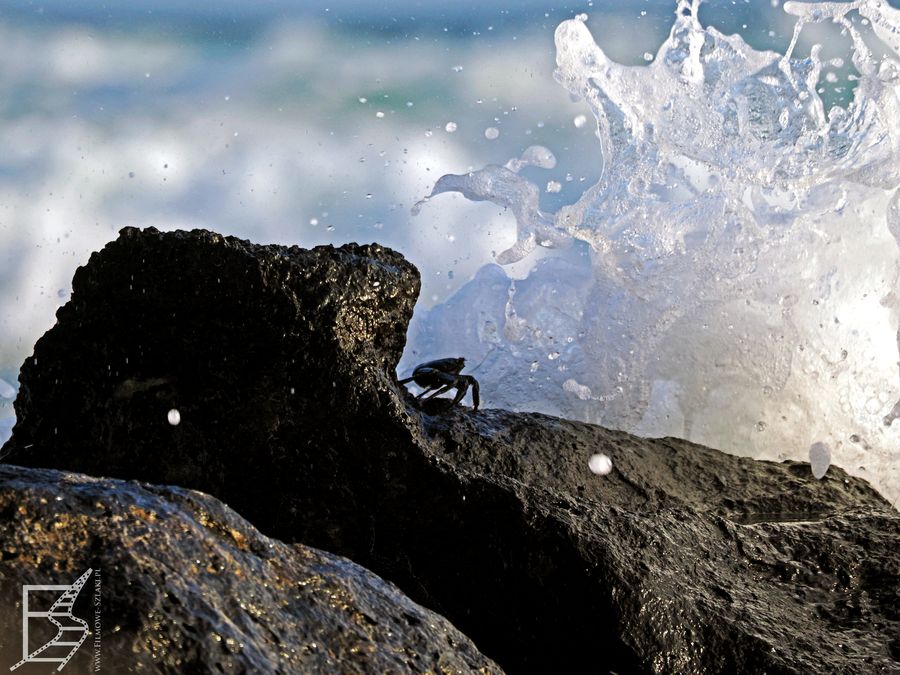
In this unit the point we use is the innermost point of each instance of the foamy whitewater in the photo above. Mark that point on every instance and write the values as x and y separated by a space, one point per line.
732 278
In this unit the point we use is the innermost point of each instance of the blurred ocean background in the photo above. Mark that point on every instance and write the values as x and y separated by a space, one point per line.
304 123
282 122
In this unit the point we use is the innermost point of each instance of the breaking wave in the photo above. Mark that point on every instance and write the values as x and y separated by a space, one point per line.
732 277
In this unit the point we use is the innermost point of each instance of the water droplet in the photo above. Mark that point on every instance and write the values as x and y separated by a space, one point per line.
450 127
648 56
819 459
553 356
580 121
363 99
174 417
784 118
760 426
7 390
554 186
491 133
379 114
600 464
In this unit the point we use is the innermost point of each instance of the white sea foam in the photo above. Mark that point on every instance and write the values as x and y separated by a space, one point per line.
740 286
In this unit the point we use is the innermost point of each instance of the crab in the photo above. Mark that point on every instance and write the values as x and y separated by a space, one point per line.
441 375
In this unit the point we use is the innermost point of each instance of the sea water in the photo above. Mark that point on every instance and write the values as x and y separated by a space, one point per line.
732 277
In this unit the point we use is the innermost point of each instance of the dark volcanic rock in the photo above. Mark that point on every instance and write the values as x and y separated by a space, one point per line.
262 350
188 586
683 559
708 562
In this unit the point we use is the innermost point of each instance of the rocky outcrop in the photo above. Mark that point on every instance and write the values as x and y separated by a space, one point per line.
280 364
255 347
179 583
705 562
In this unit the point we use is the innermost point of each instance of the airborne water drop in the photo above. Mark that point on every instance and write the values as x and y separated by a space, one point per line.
600 464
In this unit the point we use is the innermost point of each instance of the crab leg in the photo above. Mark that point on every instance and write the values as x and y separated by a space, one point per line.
446 387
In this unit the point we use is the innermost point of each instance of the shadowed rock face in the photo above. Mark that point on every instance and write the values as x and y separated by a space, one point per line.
188 586
260 349
280 362
709 562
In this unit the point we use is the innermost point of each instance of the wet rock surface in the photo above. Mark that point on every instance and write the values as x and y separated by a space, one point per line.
681 559
188 586
707 562
259 349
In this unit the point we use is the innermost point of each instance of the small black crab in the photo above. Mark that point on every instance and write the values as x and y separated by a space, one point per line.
437 377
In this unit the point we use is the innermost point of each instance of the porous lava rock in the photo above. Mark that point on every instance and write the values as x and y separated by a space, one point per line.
179 583
704 562
281 364
270 359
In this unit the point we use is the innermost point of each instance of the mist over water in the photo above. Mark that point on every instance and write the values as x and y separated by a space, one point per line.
732 276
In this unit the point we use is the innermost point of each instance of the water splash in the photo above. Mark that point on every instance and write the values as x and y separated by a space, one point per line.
741 287
504 186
